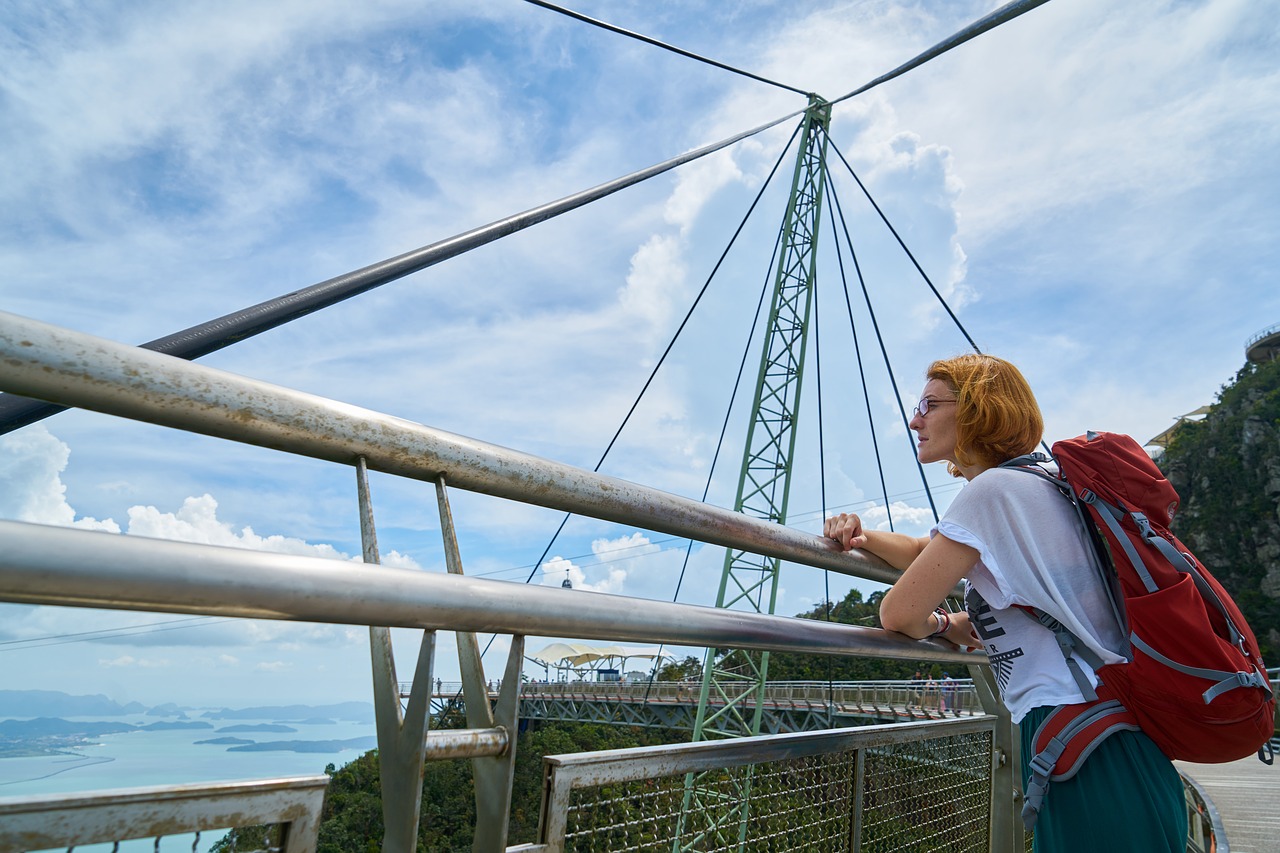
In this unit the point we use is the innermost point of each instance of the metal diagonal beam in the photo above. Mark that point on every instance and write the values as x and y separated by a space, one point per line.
1005 13
232 328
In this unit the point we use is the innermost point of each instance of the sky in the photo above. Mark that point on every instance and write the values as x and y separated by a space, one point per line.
1091 188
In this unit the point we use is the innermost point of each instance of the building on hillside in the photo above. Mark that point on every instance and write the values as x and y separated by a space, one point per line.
1263 346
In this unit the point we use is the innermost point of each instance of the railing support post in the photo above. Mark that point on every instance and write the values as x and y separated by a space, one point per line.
492 774
1007 834
402 734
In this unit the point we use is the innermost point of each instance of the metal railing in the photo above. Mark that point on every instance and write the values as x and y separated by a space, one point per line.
1205 833
59 566
291 807
1274 675
786 705
1257 337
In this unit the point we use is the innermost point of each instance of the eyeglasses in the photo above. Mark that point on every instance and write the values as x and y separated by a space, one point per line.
922 408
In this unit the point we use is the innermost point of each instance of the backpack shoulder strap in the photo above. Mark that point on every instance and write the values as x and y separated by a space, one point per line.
1069 644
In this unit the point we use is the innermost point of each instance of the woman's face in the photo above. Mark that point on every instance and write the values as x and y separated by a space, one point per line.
936 430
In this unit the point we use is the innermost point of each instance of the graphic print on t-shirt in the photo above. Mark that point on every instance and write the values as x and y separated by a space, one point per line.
984 622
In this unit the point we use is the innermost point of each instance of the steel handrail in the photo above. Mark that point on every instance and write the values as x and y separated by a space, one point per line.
47 362
83 568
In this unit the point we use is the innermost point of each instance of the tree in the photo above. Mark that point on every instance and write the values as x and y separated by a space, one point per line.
689 668
1226 469
851 610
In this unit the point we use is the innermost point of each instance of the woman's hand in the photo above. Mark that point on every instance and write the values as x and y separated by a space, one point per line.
845 528
961 632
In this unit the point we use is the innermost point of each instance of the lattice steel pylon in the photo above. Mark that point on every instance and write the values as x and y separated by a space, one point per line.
730 703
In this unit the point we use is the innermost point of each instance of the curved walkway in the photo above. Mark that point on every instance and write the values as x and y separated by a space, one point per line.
1246 794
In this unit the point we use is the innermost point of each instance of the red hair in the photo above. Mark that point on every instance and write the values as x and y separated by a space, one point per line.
997 417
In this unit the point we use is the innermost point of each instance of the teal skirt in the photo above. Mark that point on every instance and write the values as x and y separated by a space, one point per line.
1127 797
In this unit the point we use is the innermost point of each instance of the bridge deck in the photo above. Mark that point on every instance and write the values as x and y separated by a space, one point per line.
1246 794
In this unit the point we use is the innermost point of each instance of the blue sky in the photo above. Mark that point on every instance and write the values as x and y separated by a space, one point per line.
1091 186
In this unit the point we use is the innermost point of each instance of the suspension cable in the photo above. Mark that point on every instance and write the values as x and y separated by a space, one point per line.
653 41
914 262
862 372
671 344
710 277
1005 13
827 606
728 413
884 353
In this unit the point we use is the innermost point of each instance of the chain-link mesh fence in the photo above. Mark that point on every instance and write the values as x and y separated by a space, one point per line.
928 792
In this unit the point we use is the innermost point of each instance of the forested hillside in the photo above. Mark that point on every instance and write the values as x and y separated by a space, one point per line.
1226 467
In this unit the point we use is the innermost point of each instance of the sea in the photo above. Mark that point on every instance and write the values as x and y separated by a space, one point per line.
174 757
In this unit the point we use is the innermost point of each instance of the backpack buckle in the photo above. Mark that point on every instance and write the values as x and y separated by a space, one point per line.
1144 526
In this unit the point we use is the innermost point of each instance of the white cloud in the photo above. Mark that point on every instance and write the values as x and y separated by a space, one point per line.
31 488
609 571
908 519
197 521
129 661
32 461
655 284
274 666
696 183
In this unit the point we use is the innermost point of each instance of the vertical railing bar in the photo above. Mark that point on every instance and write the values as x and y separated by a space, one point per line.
859 781
401 735
1006 758
492 774
475 692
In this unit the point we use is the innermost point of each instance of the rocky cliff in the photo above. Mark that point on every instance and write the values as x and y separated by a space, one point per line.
1227 470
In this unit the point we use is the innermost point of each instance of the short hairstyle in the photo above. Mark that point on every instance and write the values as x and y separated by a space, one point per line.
997 417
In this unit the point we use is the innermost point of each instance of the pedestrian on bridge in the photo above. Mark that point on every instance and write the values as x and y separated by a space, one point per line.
1015 542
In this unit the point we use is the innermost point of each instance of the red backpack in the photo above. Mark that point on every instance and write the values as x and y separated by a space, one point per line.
1195 682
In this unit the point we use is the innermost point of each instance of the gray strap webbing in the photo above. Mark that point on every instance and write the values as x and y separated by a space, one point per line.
1067 644
1111 515
1223 681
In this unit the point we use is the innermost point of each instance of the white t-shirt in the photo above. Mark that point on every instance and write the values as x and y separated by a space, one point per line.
1034 553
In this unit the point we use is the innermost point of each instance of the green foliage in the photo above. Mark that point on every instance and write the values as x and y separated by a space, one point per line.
680 670
1226 469
852 610
352 817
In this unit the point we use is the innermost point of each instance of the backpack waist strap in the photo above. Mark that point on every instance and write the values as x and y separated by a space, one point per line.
1064 740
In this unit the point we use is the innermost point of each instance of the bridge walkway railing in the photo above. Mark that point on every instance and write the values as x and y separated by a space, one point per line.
787 705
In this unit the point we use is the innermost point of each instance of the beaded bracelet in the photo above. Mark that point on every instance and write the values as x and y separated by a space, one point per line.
944 622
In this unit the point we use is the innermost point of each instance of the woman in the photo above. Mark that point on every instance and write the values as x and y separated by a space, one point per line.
1015 541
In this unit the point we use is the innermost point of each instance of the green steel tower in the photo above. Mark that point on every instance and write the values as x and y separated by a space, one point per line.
730 703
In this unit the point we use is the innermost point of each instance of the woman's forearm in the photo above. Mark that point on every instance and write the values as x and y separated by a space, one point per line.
897 549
